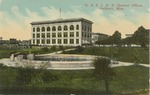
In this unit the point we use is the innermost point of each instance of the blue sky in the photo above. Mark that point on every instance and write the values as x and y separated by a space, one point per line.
16 15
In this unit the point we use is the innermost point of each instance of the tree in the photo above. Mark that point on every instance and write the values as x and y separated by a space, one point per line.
127 41
140 36
107 41
103 71
116 37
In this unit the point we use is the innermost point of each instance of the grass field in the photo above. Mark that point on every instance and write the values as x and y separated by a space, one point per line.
133 80
5 52
122 54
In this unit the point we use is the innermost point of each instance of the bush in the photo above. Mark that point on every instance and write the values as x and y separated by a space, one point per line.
53 48
45 49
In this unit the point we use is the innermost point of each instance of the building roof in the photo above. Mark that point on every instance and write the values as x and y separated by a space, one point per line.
129 35
100 34
60 21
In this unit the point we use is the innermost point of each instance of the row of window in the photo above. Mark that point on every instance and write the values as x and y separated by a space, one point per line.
59 41
59 28
86 28
65 34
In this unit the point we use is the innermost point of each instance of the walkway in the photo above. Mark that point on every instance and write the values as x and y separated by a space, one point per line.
62 65
58 52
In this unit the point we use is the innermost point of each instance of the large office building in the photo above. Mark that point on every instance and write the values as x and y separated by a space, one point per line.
66 32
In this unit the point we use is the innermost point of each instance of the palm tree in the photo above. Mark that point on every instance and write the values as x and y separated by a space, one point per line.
103 71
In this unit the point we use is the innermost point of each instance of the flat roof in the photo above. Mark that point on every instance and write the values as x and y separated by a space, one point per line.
61 21
100 34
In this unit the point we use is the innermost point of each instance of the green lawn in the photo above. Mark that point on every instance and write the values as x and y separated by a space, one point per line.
133 79
130 80
122 53
5 52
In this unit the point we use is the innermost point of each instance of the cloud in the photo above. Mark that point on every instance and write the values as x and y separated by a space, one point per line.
1 1
18 26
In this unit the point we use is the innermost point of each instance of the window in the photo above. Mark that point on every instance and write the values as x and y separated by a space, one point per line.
77 27
71 34
48 41
59 41
65 27
48 35
33 35
33 29
38 41
77 34
59 28
65 41
43 35
53 41
59 34
82 34
65 34
48 28
85 28
43 28
85 35
82 27
53 28
38 29
38 35
33 41
43 41
53 34
71 27
77 41
71 41
88 35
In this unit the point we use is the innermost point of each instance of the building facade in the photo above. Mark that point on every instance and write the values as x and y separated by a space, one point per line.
98 36
66 32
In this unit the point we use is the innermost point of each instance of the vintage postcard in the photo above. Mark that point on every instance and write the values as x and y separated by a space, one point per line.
74 47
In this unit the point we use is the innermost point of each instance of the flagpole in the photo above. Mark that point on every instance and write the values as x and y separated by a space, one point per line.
60 12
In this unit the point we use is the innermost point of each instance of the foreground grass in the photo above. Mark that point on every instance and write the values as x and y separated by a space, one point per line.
133 80
120 53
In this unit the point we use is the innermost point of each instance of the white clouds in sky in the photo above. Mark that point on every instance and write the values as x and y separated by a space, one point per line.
19 26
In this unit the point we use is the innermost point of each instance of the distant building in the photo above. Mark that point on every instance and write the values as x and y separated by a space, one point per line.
66 32
98 36
13 41
129 35
25 43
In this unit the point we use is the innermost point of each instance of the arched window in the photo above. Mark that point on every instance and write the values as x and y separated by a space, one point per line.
59 28
71 27
33 29
48 28
53 28
65 27
37 29
77 27
43 28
